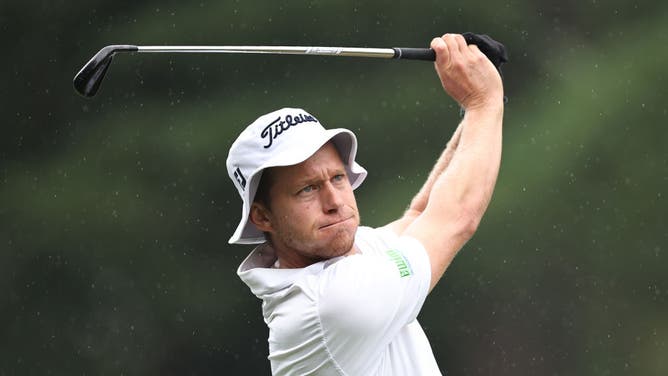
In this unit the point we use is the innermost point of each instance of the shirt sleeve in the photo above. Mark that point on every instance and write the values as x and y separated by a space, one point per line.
365 300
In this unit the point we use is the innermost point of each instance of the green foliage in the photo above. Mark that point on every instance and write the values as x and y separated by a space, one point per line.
115 212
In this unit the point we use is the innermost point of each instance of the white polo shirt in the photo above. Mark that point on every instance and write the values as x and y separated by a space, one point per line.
353 315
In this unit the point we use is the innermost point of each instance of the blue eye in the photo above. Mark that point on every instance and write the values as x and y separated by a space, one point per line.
338 177
308 189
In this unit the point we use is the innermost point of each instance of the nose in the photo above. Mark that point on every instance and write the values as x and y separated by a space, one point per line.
331 198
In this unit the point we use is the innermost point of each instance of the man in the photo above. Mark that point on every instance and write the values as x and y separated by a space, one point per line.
340 299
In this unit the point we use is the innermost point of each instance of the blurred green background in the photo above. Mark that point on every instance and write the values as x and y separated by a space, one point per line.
115 211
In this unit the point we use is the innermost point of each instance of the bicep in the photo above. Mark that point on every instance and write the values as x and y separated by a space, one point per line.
442 233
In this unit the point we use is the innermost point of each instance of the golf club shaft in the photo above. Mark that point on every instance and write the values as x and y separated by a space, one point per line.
387 53
87 80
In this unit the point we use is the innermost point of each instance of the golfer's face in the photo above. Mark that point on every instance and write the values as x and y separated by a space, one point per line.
313 210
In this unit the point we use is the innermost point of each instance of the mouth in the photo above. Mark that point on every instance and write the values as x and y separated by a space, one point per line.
335 223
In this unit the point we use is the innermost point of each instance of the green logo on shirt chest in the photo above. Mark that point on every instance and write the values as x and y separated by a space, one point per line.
401 262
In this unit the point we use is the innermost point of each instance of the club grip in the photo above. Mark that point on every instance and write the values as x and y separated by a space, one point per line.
414 53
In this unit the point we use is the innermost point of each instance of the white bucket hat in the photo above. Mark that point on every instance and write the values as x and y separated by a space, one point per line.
281 138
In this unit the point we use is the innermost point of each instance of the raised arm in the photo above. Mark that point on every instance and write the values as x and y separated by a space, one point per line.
446 212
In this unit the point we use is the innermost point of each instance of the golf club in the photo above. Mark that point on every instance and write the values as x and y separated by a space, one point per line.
87 81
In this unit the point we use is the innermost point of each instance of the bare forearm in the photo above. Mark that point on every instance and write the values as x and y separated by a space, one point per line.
471 176
419 202
460 195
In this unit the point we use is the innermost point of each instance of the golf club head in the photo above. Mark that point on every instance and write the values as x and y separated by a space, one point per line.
87 81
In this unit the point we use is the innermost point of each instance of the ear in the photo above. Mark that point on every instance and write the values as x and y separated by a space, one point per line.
261 217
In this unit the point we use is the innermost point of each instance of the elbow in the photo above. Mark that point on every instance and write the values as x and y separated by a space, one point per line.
470 227
469 221
471 209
